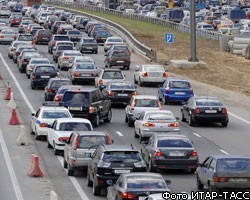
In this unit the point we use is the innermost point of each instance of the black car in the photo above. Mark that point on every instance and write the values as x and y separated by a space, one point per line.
24 59
137 186
109 161
88 103
43 36
120 92
87 44
41 74
204 109
51 89
102 35
59 49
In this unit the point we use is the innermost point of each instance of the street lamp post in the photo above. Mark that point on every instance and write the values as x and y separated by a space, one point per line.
192 33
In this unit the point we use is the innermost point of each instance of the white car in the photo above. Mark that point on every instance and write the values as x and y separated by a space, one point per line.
153 74
106 75
46 115
112 41
149 122
60 130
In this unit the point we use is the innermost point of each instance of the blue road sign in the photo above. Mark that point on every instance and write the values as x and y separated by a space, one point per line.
169 37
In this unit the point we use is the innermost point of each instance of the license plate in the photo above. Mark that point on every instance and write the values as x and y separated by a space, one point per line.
238 179
86 75
89 47
179 93
122 95
154 74
75 108
210 111
103 38
122 171
119 61
45 76
44 38
142 198
176 154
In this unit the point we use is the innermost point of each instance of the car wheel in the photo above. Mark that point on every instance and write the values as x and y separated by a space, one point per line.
183 119
140 83
49 145
96 189
150 166
97 120
126 119
130 122
224 124
45 98
36 136
96 52
89 182
128 67
193 170
70 171
135 81
200 186
109 117
65 164
56 151
136 136
190 120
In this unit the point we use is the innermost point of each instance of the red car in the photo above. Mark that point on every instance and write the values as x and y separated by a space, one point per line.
15 21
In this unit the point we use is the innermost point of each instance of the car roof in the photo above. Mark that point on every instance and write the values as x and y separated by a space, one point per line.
120 147
151 174
222 156
47 65
61 120
71 87
171 136
71 51
83 89
85 133
176 79
120 81
108 70
59 78
158 111
145 96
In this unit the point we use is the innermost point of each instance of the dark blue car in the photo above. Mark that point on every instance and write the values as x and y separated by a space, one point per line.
18 8
175 90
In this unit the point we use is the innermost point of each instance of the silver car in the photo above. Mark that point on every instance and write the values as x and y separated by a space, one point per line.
33 62
83 72
81 59
107 75
14 45
149 122
150 74
138 104
7 36
65 59
112 41
5 11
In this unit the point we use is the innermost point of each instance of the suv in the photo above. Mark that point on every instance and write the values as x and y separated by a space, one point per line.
88 103
26 37
87 44
109 161
55 38
80 147
118 58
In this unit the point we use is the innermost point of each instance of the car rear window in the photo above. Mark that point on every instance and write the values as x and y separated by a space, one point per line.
91 141
160 116
122 86
112 75
144 183
65 47
103 33
121 156
179 84
89 40
58 83
208 102
85 66
60 38
146 103
174 143
53 114
72 54
45 69
7 32
120 54
76 98
74 32
233 165
31 55
154 68
40 62
25 37
74 126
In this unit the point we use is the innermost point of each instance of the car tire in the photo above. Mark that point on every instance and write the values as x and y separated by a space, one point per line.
150 166
96 52
49 145
183 119
224 124
130 122
36 136
32 86
56 151
70 171
96 189
97 120
89 182
65 164
109 117
126 119
200 186
193 170
211 188
136 136
135 81
140 83
190 120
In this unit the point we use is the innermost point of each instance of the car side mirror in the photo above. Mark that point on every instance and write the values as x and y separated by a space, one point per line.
32 114
144 142
177 118
168 182
49 126
200 165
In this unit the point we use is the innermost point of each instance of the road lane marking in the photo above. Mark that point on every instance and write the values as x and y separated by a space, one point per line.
17 84
13 177
74 182
239 118
223 151
73 179
196 134
119 133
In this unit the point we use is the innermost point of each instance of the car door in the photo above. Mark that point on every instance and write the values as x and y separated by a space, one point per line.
94 164
203 171
105 102
147 148
128 107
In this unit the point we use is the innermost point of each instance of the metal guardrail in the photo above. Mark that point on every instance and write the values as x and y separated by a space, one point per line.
209 35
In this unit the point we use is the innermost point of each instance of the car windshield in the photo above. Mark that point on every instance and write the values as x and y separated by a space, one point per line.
74 32
89 40
76 98
53 114
60 38
145 183
122 86
208 102
60 48
179 84
121 156
25 37
39 62
45 69
163 142
72 54
58 83
160 116
103 33
112 75
91 141
74 126
85 66
146 103
154 68
120 54
233 165
8 32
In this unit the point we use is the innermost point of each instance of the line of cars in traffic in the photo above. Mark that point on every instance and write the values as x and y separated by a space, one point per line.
71 111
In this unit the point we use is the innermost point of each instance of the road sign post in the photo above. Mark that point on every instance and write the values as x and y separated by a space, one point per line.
169 38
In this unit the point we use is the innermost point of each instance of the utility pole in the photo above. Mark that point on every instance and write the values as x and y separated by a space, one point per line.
192 32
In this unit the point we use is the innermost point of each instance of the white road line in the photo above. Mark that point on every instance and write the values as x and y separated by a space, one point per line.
239 118
75 182
119 133
13 178
73 179
17 84
223 151
196 134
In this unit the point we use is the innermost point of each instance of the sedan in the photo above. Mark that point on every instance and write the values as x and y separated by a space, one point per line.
61 90
112 41
204 109
137 186
7 36
43 36
83 72
65 59
87 44
118 58
151 121
224 172
33 62
150 74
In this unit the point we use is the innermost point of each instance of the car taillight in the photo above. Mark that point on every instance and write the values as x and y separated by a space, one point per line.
49 90
43 125
224 111
167 89
191 90
1 36
32 43
110 93
176 124
133 93
147 124
219 179
133 105
194 153
144 74
196 111
158 153
100 82
165 74
126 195
62 139
22 61
91 109
75 144
108 139
53 43
65 58
108 44
57 99
76 74
14 36
11 49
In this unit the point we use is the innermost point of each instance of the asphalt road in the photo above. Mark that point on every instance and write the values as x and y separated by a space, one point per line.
208 139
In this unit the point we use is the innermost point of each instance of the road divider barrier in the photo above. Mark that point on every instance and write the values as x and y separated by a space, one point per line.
11 104
22 140
8 91
53 196
34 169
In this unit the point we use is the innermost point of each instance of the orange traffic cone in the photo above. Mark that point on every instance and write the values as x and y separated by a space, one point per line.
14 120
7 95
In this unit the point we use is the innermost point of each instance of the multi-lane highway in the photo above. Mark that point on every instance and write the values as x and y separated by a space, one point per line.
208 140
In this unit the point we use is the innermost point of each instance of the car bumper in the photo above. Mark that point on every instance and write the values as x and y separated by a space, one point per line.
42 40
40 82
156 80
89 48
84 79
150 132
210 118
6 40
59 146
40 131
66 65
50 96
175 163
177 98
232 185
120 100
120 63
76 163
